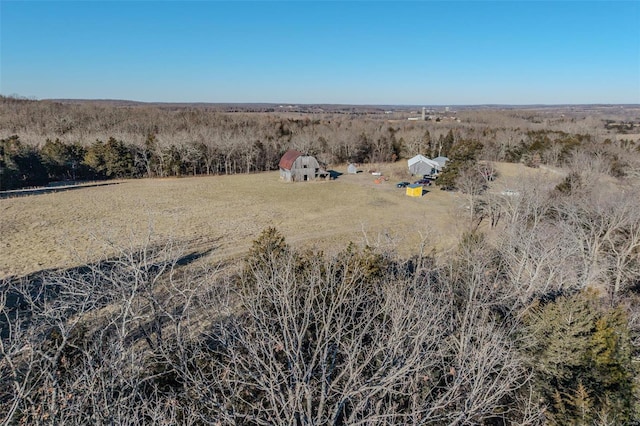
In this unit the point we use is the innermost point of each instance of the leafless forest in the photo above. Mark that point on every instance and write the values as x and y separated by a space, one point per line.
48 141
533 319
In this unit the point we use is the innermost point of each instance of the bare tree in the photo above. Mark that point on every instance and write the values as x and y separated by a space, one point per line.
471 183
318 341
72 342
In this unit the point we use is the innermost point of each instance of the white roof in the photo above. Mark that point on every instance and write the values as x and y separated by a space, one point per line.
422 159
441 160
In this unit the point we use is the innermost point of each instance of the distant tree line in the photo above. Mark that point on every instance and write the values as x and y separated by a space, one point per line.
25 165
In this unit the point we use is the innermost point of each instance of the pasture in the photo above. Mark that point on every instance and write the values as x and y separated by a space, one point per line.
224 214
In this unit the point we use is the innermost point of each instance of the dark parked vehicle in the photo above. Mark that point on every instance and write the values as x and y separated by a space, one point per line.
425 182
402 184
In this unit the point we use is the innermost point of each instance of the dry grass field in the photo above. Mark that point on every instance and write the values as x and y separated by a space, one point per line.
224 214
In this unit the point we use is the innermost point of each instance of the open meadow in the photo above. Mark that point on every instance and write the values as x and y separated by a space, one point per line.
224 214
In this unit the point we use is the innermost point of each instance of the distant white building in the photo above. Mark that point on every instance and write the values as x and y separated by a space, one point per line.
423 117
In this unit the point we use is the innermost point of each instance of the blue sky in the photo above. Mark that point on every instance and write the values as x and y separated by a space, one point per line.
361 52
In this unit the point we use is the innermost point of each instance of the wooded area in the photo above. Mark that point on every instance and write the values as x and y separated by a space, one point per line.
533 318
46 141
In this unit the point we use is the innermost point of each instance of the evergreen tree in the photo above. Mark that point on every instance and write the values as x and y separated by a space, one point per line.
581 356
63 161
20 165
113 159
462 157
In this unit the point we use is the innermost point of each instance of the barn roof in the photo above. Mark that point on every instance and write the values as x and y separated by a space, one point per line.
286 162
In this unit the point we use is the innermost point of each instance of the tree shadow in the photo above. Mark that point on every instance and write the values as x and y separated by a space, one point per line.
22 293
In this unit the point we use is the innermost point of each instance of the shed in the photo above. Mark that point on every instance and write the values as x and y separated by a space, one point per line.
442 162
352 169
421 165
297 167
414 190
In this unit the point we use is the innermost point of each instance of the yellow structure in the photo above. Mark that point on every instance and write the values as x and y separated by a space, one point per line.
414 190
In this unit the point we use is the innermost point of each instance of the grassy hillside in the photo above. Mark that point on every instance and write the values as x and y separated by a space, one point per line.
226 212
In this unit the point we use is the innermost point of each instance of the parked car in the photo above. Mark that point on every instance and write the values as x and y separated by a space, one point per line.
402 184
425 182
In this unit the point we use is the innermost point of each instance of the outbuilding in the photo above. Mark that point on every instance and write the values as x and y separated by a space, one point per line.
414 190
442 162
297 167
421 165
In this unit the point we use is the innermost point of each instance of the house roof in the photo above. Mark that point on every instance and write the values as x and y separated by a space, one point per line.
441 160
422 159
287 160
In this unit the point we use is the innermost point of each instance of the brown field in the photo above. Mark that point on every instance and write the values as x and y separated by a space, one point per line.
225 214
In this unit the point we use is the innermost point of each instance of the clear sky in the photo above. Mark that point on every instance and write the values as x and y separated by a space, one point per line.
360 52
